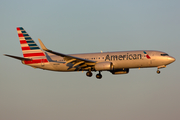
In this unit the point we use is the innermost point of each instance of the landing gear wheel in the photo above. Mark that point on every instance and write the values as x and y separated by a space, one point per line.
99 76
89 74
158 72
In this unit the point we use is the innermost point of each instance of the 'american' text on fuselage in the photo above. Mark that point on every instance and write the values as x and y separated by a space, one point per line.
123 57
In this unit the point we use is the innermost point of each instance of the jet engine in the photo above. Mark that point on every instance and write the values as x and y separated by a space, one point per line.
102 66
120 71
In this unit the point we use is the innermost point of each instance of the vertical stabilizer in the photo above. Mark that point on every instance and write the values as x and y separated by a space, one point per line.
29 48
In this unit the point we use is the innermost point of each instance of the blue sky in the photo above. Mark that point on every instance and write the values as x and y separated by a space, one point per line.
82 27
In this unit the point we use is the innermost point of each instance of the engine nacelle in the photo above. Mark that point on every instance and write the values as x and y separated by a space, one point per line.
120 71
103 66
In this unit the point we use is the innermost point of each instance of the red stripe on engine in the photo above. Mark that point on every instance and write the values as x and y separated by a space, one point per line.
20 35
33 54
18 28
25 48
23 42
35 61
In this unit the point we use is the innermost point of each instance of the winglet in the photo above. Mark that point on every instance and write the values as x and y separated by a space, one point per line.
42 45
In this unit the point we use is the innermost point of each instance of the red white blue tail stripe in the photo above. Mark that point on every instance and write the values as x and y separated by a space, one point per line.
29 48
147 56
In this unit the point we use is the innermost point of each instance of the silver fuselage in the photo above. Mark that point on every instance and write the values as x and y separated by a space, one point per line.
120 60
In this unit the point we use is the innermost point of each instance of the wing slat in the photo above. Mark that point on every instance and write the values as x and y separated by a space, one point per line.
78 63
69 61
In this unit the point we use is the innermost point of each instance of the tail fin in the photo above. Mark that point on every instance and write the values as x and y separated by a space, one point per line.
29 48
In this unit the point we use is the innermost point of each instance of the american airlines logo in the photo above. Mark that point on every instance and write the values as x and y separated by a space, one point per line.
123 57
148 57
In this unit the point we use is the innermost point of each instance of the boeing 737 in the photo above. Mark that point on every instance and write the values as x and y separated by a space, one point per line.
114 62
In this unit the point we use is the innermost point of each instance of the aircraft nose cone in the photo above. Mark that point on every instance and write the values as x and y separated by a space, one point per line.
171 59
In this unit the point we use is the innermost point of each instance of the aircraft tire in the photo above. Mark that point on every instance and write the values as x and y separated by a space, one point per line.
89 74
158 72
98 76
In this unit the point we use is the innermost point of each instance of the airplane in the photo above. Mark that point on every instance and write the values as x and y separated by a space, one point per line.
115 62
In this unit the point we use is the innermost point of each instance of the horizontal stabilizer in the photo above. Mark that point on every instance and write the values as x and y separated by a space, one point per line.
16 57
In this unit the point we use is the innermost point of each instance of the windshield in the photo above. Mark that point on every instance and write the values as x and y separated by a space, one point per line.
164 55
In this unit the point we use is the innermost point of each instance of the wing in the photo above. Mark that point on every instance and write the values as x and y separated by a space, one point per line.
84 63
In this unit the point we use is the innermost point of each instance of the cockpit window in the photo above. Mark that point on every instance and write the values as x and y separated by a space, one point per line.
164 55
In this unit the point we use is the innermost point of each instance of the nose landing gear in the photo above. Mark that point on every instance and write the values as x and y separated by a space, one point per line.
162 66
158 71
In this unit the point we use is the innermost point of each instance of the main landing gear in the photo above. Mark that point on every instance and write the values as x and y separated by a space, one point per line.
89 73
98 76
